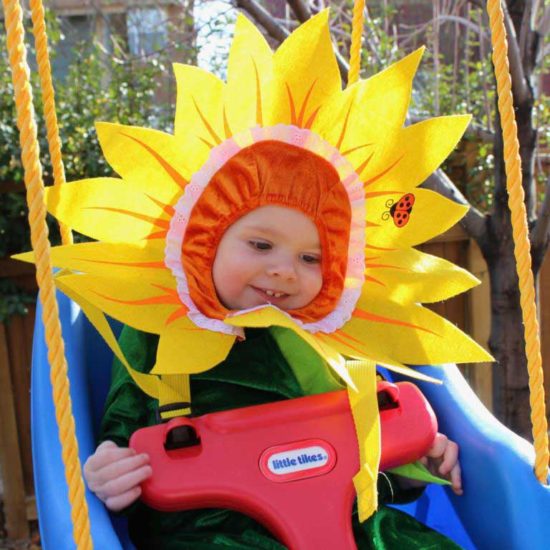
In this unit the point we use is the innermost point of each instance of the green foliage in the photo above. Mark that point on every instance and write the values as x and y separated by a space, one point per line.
14 300
454 77
99 86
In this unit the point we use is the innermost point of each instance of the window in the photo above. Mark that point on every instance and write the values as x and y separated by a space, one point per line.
147 30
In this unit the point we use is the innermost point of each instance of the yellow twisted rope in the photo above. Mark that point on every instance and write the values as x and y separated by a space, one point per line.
39 237
48 98
355 48
521 239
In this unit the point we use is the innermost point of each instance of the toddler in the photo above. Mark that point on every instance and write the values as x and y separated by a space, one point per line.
271 254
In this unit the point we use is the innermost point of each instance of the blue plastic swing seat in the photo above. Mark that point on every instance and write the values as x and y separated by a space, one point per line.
503 506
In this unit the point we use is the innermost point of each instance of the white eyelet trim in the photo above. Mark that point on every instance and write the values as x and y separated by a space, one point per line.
219 155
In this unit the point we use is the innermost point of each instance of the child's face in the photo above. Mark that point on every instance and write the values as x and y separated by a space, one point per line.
270 255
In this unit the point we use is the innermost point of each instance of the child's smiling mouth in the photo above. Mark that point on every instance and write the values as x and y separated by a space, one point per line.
270 294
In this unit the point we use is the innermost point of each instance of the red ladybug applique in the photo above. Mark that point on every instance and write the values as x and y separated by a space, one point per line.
400 211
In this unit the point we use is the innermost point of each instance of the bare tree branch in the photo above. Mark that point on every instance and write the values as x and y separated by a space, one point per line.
520 87
300 8
474 221
448 19
543 28
542 227
525 30
278 32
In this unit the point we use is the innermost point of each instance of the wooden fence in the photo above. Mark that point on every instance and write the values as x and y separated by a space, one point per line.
469 311
15 442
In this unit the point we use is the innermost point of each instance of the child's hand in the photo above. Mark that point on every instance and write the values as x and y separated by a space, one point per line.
442 460
114 474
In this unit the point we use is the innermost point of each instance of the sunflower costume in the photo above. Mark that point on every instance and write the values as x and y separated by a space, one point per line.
282 132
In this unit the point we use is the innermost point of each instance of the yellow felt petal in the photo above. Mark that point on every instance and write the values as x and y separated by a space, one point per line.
249 74
431 215
190 349
416 335
306 74
409 155
408 275
270 316
200 119
146 382
136 303
148 160
357 349
143 261
362 114
106 209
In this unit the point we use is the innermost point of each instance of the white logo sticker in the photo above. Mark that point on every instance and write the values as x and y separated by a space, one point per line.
297 460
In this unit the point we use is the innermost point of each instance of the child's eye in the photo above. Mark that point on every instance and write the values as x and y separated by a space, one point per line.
311 258
260 245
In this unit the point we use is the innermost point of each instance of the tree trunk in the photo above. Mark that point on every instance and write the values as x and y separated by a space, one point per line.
507 344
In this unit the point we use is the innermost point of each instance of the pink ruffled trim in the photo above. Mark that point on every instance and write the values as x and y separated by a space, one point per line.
219 155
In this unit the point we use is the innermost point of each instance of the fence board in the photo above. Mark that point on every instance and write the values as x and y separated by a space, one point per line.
480 376
15 361
17 526
18 335
469 311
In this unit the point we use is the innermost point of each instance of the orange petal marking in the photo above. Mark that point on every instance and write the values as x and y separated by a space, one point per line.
372 266
371 246
348 151
171 297
153 265
155 221
339 338
383 173
211 130
170 170
207 143
364 164
373 194
226 127
291 105
304 104
310 120
259 115
365 315
176 315
368 278
157 235
167 208
343 132
154 300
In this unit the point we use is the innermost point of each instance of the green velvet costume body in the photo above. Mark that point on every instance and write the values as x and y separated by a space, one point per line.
256 371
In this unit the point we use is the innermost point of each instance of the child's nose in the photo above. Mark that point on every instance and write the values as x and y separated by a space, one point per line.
283 269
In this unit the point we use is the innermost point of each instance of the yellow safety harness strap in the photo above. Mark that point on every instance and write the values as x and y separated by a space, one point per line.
364 407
